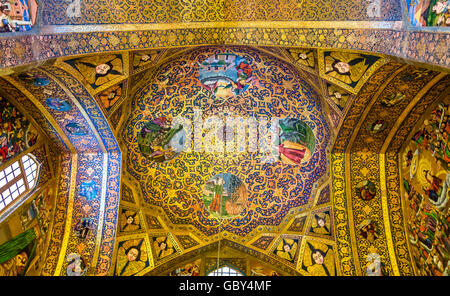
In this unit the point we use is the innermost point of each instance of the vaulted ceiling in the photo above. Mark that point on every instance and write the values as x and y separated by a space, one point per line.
118 74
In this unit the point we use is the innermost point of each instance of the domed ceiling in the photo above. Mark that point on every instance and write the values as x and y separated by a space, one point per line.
226 139
251 157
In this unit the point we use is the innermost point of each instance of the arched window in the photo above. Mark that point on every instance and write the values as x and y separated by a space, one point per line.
225 271
18 179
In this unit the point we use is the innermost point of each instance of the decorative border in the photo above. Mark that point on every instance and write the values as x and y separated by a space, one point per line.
423 47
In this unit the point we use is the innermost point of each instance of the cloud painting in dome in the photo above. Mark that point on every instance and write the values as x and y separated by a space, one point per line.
225 195
296 143
226 75
161 140
17 15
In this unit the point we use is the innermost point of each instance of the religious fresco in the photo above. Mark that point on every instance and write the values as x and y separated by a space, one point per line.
296 141
321 223
130 220
17 15
17 133
360 156
226 75
428 13
287 248
177 144
366 190
338 96
161 139
225 195
426 180
189 269
163 247
85 178
76 265
258 269
17 253
24 235
133 256
112 96
368 230
349 70
100 71
303 56
318 259
141 60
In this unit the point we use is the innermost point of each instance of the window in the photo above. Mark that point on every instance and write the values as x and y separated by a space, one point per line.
18 179
225 271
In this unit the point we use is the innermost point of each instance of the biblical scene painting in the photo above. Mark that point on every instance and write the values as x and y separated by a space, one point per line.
58 104
366 190
257 269
23 236
161 139
429 13
426 180
16 132
296 141
225 75
34 79
163 247
189 269
204 158
17 15
225 195
17 254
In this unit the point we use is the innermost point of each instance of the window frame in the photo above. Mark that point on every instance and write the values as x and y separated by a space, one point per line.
12 205
237 272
